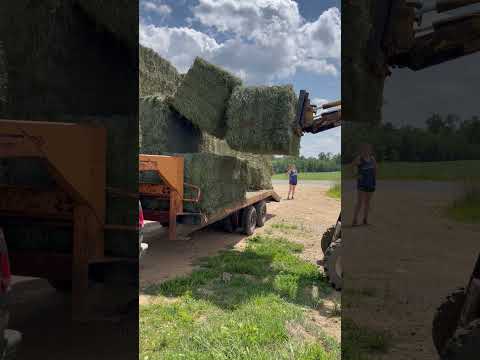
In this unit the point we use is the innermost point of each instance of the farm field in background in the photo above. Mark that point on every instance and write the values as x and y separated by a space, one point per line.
330 176
434 171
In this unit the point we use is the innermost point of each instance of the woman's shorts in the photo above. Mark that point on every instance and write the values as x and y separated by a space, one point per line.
366 189
293 182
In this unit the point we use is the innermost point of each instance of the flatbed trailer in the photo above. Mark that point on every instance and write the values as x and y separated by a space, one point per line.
245 214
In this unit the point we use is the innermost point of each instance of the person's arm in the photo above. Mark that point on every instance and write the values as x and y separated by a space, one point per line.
375 167
355 163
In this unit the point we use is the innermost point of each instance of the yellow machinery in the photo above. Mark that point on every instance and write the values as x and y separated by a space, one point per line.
75 157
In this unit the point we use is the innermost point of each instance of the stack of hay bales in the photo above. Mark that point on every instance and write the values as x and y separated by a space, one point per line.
262 120
188 117
203 96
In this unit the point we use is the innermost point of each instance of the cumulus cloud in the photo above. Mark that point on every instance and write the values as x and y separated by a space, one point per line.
267 40
328 142
156 6
179 45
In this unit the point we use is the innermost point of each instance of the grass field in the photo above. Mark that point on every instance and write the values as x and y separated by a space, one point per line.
243 305
467 208
334 175
335 191
435 171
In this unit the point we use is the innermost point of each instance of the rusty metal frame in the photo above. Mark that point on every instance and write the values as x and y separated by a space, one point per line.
171 171
79 196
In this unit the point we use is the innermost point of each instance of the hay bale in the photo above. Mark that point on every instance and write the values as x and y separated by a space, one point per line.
262 120
203 96
222 180
259 167
164 130
117 16
156 75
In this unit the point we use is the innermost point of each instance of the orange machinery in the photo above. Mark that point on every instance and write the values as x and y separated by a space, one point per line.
75 156
170 169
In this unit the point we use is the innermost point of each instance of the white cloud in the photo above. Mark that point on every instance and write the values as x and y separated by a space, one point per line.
268 40
179 45
319 101
327 141
156 6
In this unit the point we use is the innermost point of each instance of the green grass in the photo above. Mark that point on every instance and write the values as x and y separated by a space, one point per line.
248 314
467 208
334 175
360 343
284 226
432 171
335 191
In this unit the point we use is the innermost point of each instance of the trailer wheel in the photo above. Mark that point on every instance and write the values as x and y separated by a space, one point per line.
464 345
446 318
249 220
327 238
261 209
333 264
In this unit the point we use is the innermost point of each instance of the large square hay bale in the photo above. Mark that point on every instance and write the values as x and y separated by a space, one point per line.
164 131
222 180
261 120
259 167
156 75
203 96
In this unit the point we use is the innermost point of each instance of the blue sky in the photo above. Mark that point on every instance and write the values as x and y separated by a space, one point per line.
265 42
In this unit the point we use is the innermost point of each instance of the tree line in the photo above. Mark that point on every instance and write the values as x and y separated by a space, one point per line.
444 138
324 162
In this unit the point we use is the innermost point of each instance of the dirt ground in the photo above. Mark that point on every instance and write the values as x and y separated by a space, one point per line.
311 211
397 271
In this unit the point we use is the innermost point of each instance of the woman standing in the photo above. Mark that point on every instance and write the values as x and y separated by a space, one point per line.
366 168
292 180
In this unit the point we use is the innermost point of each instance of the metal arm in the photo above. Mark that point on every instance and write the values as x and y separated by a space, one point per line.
394 41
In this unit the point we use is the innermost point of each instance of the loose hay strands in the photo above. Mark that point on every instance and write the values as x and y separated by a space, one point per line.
262 120
203 96
156 75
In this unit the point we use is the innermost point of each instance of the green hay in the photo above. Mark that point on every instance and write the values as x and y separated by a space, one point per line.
262 120
156 75
164 130
362 91
117 16
3 77
203 96
222 180
259 167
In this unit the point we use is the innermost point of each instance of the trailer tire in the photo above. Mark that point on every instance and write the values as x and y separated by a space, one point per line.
446 319
261 209
464 345
327 238
333 264
249 220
